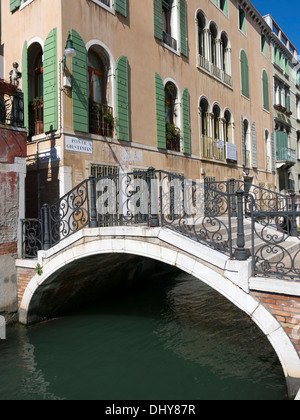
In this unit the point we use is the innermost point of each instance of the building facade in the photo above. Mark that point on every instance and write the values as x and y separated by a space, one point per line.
169 85
286 108
13 150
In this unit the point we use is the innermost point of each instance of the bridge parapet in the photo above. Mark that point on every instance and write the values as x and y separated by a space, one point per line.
214 214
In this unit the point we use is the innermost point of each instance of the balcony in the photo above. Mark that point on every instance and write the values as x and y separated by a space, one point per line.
215 71
101 120
286 155
213 149
172 137
36 117
11 105
168 40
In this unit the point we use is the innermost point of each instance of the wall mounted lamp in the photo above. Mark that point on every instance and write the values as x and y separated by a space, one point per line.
70 52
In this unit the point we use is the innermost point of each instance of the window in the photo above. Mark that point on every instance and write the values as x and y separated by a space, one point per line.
202 50
35 90
265 87
298 107
170 24
246 132
172 111
268 151
244 74
242 20
282 97
264 44
222 5
101 120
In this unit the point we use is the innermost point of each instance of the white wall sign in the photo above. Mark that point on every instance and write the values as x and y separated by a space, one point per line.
231 152
73 144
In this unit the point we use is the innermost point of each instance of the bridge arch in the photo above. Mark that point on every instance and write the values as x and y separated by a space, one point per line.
170 248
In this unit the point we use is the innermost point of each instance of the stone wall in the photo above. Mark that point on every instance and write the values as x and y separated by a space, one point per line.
13 146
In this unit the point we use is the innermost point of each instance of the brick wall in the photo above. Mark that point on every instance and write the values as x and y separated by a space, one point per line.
286 310
24 275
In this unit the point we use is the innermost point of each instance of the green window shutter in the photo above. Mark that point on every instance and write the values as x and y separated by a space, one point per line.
254 145
225 7
122 99
273 145
80 108
50 83
25 84
158 19
186 126
265 83
160 112
121 7
245 74
14 4
183 28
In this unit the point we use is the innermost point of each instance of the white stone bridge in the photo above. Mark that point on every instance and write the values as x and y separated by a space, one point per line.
224 249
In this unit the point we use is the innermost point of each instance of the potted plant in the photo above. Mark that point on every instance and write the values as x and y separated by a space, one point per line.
172 137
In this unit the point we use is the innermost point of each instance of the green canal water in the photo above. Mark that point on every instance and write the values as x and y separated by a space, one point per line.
168 339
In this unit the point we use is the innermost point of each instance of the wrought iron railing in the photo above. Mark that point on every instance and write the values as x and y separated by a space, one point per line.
211 213
11 105
101 121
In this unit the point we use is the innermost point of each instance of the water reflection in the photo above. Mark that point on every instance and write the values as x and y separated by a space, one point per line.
203 327
167 338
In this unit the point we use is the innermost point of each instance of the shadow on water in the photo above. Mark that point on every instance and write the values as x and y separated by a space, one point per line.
166 338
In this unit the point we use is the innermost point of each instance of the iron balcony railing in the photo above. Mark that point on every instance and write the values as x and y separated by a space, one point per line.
11 105
101 121
168 40
232 217
286 155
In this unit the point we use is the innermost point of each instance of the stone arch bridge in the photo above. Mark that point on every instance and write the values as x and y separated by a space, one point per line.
239 239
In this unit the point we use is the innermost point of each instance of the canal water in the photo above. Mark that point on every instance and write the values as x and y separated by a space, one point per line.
170 338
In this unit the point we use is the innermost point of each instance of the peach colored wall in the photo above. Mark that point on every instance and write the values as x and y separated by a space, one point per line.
134 37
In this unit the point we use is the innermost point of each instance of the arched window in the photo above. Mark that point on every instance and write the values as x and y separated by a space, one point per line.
201 34
216 122
213 43
172 131
246 144
97 88
245 74
265 86
226 58
206 139
101 120
228 138
35 89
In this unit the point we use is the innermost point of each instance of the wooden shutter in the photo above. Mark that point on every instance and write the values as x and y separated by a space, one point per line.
243 142
121 7
273 145
25 84
245 74
160 112
50 83
254 145
186 127
183 28
265 83
122 101
158 19
80 103
14 4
